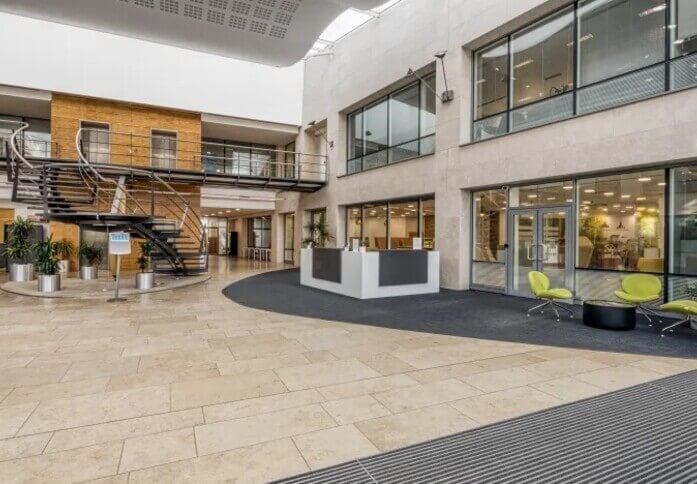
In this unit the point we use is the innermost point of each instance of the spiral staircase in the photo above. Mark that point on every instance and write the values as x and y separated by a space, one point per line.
112 198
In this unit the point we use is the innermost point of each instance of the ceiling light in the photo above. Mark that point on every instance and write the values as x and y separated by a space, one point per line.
617 205
640 199
228 211
532 195
551 198
526 62
652 10
238 209
640 209
626 196
629 207
586 202
661 184
644 179
569 200
609 194
589 190
568 187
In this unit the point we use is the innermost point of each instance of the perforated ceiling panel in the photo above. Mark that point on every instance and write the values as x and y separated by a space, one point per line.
277 32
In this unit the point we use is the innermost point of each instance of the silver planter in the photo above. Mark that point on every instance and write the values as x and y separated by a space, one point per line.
63 266
145 280
89 273
21 272
49 283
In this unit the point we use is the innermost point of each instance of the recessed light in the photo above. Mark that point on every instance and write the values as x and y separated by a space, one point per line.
626 196
609 194
644 179
532 195
616 205
661 184
569 200
640 199
551 198
568 187
238 209
629 207
589 190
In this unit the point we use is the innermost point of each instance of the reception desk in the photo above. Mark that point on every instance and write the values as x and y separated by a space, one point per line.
370 275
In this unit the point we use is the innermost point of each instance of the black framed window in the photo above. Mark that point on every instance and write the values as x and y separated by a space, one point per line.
238 158
259 232
393 224
397 127
591 56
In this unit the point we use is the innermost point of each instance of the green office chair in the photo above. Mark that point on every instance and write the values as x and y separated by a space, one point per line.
539 283
639 290
685 307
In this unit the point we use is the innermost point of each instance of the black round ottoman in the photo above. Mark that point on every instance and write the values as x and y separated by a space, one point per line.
610 315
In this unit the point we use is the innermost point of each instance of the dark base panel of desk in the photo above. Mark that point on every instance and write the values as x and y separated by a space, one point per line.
403 267
326 264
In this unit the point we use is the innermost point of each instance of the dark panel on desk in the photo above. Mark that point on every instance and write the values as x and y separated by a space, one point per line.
403 267
326 264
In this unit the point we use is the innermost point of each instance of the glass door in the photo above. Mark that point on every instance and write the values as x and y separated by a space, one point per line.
538 242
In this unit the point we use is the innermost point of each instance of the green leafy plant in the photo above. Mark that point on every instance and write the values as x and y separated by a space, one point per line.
318 234
64 249
18 246
91 254
145 260
46 257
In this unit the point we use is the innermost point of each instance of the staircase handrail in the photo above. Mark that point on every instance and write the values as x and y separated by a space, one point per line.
186 212
13 141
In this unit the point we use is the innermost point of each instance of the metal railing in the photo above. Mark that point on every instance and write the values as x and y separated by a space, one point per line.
25 143
168 154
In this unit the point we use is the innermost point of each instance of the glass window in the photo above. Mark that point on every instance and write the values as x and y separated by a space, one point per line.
404 224
543 59
404 123
545 195
491 80
355 144
354 225
428 106
164 149
684 27
375 135
683 221
428 223
620 222
214 158
96 142
289 238
619 36
375 226
489 254
37 138
259 232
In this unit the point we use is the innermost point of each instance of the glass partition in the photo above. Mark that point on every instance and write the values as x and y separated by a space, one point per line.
354 222
374 227
428 223
491 80
489 238
289 238
543 195
683 221
259 232
404 224
683 27
621 222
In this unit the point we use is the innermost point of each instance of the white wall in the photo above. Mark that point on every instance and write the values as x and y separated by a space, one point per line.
54 57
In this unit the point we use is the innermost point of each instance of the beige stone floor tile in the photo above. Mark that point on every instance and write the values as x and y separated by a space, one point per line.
568 389
222 389
160 377
157 449
256 406
119 479
333 446
663 366
64 467
386 364
182 360
425 395
263 345
238 367
611 359
40 375
395 431
92 409
323 374
355 409
21 447
4 392
319 356
446 372
123 429
15 362
561 367
619 377
455 353
12 417
85 370
493 381
366 387
243 432
509 361
506 404
259 463
53 391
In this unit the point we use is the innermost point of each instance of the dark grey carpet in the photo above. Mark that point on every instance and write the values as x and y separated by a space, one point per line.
644 434
461 313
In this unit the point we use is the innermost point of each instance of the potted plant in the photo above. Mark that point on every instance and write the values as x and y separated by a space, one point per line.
47 265
91 256
145 279
64 250
318 234
18 250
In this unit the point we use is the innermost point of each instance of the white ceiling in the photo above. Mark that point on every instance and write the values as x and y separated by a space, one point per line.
275 32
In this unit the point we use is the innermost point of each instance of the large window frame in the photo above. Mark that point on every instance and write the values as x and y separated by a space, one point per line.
259 227
672 70
422 145
389 205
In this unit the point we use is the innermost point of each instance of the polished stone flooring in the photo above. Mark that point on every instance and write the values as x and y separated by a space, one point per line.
188 386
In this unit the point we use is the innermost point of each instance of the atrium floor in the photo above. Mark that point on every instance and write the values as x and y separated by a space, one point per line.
188 386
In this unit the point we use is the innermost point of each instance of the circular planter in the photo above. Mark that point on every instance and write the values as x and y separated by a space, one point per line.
49 283
89 273
145 280
63 266
21 272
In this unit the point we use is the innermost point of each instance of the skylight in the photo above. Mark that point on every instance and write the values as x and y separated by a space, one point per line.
346 23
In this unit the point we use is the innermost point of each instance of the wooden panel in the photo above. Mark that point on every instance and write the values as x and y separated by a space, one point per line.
69 232
7 215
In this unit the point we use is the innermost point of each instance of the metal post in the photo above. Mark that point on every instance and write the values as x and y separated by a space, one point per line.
116 297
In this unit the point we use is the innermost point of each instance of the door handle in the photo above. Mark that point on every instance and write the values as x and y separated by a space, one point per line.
530 251
544 252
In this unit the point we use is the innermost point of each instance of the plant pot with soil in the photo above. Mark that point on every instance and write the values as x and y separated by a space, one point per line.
91 257
145 279
47 265
18 250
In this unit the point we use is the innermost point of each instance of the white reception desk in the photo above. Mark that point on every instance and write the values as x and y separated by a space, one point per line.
370 275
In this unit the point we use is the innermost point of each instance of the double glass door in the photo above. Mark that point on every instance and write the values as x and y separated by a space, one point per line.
538 240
